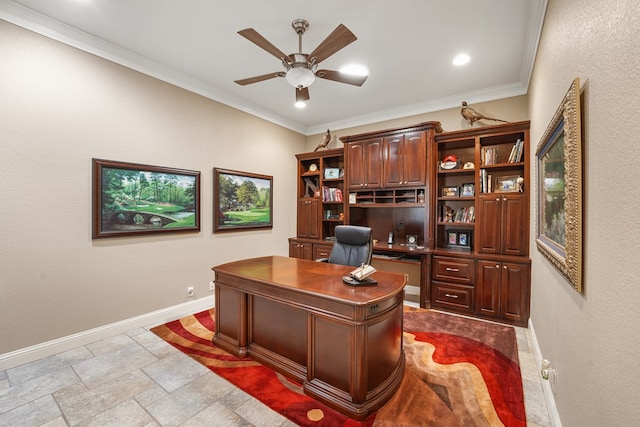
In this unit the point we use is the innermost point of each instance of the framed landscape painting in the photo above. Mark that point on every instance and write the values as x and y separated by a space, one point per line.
559 176
242 200
135 199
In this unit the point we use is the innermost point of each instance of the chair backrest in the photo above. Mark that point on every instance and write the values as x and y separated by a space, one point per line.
353 245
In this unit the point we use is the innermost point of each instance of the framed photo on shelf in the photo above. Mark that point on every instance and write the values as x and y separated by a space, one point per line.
452 237
464 238
450 191
559 182
332 173
242 200
468 190
135 199
507 184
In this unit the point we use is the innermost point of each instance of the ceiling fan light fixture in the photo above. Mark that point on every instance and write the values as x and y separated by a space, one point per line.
300 76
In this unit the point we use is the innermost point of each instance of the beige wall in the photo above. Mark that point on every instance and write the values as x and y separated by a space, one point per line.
60 107
593 339
511 109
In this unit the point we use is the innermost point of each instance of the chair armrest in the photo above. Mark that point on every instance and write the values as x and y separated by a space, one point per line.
322 260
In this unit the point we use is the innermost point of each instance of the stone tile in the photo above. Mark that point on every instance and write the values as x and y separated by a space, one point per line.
4 384
522 338
127 413
164 371
216 415
528 366
189 400
36 388
259 414
235 398
58 422
535 403
112 365
49 364
94 401
35 413
134 332
69 392
108 345
156 345
150 395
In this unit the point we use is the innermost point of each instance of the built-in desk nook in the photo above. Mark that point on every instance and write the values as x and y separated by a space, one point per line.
342 343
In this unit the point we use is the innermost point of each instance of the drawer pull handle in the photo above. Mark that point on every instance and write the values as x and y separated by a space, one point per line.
451 296
455 270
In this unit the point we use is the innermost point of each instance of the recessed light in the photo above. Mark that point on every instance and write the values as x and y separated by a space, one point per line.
300 104
461 59
354 70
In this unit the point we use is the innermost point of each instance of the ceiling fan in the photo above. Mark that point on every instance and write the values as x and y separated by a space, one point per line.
301 69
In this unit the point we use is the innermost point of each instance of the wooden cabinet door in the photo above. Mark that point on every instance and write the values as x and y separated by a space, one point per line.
488 238
393 161
373 163
414 159
502 224
355 156
300 250
514 292
515 225
488 288
405 161
309 218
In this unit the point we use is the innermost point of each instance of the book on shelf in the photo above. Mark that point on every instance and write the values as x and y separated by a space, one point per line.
516 152
489 155
466 214
485 181
331 194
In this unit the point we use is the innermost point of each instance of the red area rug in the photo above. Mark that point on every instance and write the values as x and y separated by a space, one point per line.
459 372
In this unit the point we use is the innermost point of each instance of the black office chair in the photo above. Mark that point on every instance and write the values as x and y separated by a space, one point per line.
353 246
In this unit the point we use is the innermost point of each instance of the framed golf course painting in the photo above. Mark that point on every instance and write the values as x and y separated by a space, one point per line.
242 200
135 199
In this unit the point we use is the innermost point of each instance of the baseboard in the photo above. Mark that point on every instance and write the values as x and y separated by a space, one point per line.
49 348
554 416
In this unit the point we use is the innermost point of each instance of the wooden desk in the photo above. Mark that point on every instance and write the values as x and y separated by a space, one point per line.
342 343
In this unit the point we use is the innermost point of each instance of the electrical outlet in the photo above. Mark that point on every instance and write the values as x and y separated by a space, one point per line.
191 291
211 286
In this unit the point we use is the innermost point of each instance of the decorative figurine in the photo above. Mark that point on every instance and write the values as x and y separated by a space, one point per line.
472 116
325 141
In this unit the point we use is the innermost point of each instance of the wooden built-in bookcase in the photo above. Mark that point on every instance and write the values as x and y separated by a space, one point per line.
470 214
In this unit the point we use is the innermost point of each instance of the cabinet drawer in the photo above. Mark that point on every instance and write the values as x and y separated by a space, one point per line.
321 251
456 269
459 297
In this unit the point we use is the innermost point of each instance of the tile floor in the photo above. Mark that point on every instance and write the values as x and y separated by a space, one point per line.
137 379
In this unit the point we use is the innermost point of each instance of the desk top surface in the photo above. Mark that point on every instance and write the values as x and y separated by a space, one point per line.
318 278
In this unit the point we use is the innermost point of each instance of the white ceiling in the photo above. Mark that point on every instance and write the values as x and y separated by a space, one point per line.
408 46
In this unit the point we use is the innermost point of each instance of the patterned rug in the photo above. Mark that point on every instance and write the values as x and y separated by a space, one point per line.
459 372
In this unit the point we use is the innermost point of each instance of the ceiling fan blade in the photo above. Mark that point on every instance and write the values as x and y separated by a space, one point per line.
339 38
302 94
257 79
254 37
337 76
